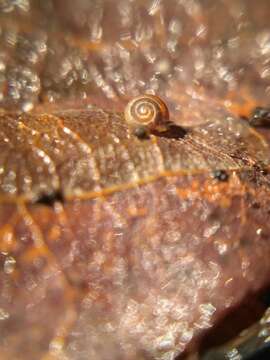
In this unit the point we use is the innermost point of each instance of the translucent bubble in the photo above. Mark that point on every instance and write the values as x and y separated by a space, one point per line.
9 265
4 315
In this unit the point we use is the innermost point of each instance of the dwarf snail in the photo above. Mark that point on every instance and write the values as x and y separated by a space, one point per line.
148 112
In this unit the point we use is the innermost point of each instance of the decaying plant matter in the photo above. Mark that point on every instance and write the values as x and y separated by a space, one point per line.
114 245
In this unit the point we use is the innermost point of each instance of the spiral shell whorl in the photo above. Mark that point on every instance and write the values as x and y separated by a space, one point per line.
149 111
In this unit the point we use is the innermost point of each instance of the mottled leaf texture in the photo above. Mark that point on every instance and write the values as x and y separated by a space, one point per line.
114 247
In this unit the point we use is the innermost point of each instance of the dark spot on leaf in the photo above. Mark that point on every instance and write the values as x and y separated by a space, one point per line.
255 205
260 117
221 175
50 199
244 241
261 168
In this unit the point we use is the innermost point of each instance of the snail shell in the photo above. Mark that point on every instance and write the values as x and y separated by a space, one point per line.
147 111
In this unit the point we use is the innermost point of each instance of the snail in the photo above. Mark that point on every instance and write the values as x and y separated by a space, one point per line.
146 114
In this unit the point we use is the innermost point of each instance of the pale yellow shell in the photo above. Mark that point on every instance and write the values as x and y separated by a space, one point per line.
149 111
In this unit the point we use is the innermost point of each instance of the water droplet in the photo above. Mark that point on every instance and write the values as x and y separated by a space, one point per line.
27 106
9 265
233 355
221 246
56 346
4 315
